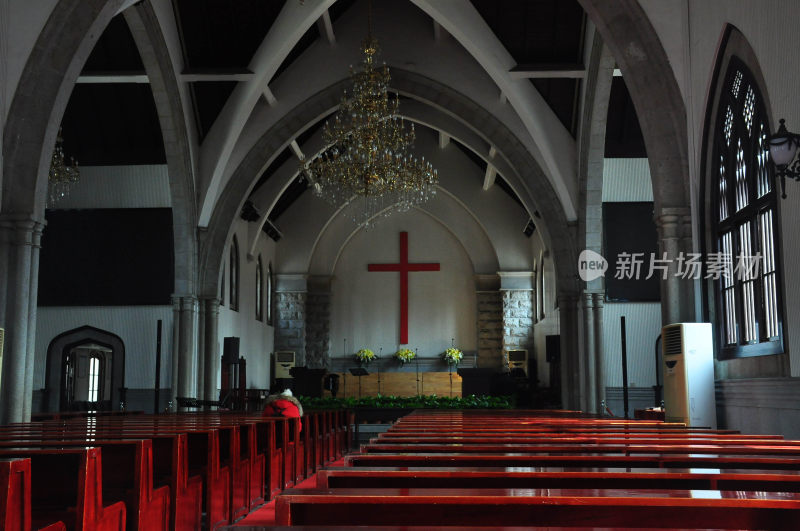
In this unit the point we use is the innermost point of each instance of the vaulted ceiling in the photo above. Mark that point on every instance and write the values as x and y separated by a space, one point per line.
111 117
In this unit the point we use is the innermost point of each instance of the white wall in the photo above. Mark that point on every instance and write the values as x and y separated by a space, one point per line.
628 180
139 186
366 305
256 337
135 325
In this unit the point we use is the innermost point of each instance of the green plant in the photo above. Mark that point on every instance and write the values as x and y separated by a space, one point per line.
405 355
365 355
410 402
452 356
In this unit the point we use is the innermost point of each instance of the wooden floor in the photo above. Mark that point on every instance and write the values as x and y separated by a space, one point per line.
560 470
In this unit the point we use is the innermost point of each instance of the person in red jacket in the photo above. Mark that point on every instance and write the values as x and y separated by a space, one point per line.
283 405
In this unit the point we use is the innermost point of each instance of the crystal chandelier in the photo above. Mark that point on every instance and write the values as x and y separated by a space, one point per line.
62 176
367 158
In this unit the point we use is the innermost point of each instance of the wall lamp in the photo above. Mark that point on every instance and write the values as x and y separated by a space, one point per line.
782 150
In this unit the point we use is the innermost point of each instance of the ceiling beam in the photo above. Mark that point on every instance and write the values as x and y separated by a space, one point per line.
270 97
489 176
114 77
325 27
297 151
491 171
547 70
193 75
188 76
444 140
437 31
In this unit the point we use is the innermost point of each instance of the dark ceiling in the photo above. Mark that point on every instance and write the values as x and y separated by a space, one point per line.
113 123
542 32
623 134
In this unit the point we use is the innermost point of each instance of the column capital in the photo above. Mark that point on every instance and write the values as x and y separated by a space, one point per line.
592 298
184 302
21 230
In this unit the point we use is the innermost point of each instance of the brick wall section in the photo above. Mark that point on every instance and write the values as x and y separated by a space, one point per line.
318 329
490 329
518 307
290 327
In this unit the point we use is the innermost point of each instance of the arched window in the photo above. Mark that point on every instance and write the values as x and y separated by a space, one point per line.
744 223
233 271
222 282
270 288
259 290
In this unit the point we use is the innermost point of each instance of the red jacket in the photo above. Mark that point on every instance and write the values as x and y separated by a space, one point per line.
283 407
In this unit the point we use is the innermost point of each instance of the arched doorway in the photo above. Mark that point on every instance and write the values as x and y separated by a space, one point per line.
85 371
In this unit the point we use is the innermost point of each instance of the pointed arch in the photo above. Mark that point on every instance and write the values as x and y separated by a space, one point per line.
740 208
259 289
233 274
66 341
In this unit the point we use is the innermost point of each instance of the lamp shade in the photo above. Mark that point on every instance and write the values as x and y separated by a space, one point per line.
782 150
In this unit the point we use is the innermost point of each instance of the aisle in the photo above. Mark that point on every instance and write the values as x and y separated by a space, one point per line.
265 515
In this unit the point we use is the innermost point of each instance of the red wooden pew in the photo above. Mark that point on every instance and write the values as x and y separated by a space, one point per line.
506 507
15 494
127 476
555 477
67 490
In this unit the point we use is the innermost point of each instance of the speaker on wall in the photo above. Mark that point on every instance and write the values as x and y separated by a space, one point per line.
230 349
552 347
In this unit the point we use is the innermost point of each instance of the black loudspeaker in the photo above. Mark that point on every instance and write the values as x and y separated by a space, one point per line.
230 349
552 346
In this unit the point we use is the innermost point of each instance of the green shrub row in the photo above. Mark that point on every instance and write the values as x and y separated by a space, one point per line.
416 402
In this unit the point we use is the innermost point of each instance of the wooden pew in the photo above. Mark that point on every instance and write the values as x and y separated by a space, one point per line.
66 489
574 460
507 507
554 477
186 459
15 494
562 448
127 477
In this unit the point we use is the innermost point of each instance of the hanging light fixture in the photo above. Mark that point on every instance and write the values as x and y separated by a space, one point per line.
367 158
782 149
62 175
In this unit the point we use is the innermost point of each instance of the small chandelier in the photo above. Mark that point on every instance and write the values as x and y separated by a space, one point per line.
62 176
367 158
782 149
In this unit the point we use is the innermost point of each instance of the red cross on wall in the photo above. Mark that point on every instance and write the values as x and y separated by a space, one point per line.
403 268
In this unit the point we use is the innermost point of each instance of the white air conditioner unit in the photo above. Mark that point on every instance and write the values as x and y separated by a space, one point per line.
688 352
284 362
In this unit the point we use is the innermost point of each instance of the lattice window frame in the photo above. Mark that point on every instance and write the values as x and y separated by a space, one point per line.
749 310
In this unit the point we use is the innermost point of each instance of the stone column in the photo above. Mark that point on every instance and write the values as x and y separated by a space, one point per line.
687 246
291 292
517 321
211 354
591 359
201 349
185 310
490 321
599 358
318 322
36 245
19 240
176 341
568 329
676 302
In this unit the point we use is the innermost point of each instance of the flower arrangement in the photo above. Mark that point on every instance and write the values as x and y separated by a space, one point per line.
405 355
452 356
365 356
